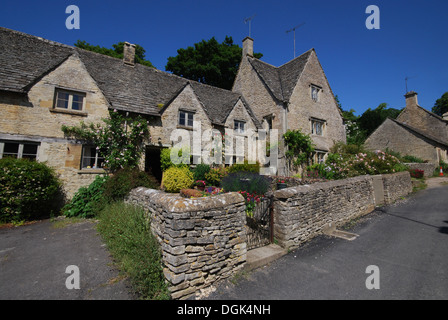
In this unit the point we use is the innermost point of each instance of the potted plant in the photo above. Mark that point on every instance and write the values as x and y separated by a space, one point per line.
200 184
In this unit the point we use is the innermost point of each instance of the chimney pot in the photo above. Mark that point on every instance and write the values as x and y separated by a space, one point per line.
411 99
248 47
129 53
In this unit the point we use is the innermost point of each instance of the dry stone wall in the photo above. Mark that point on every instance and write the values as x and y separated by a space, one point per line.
203 240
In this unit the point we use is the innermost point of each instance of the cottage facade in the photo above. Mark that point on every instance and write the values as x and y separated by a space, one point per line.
416 131
44 85
296 95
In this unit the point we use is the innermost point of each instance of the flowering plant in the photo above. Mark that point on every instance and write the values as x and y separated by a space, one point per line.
118 140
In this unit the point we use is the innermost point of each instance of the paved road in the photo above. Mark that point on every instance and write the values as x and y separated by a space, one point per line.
34 258
408 242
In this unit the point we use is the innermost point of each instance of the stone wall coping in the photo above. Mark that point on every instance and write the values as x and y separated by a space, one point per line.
173 202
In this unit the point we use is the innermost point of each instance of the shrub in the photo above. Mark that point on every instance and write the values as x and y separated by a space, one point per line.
165 159
250 182
215 176
176 179
416 173
191 193
200 171
126 232
88 201
412 159
247 167
29 190
124 180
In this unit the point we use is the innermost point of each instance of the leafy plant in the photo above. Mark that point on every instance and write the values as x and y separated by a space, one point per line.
176 179
246 181
246 166
88 201
119 139
215 175
124 180
200 171
28 190
299 147
127 234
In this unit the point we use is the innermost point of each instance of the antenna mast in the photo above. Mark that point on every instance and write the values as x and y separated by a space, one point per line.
294 30
406 81
250 22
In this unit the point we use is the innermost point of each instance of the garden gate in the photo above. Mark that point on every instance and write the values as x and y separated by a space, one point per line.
260 226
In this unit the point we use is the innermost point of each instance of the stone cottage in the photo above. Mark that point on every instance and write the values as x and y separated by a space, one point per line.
296 95
416 131
44 84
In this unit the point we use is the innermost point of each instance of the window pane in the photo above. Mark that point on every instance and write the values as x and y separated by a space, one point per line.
11 150
77 102
29 151
190 119
182 118
62 100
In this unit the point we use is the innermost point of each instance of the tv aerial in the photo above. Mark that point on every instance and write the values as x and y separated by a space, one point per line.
294 31
249 20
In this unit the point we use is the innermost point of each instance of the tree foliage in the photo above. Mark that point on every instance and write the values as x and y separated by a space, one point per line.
116 51
299 147
441 105
372 119
209 62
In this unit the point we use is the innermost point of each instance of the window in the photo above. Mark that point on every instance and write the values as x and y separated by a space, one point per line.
69 100
315 93
91 159
317 127
20 150
319 157
186 118
238 126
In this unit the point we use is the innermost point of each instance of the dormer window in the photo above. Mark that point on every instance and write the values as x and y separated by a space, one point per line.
315 92
69 100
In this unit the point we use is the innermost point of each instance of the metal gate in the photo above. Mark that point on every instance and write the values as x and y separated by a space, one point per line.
260 226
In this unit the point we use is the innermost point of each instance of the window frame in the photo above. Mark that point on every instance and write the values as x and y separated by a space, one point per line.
315 89
314 130
97 158
187 115
71 94
20 150
239 126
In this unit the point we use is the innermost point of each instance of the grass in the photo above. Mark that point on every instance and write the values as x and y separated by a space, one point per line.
127 235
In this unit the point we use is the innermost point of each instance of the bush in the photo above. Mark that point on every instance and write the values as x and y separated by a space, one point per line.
250 182
127 234
412 159
29 190
165 159
88 201
200 171
415 173
124 180
215 176
247 167
191 193
176 179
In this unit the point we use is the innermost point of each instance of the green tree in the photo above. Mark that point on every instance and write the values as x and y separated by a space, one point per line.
116 51
441 105
299 147
372 119
209 62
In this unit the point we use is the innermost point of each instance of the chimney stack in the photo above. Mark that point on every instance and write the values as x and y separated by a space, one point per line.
129 54
248 47
411 99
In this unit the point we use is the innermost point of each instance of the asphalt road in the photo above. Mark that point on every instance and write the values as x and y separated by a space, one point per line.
34 261
407 242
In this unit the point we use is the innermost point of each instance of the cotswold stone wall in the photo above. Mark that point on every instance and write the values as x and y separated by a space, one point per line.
302 212
203 240
396 185
428 168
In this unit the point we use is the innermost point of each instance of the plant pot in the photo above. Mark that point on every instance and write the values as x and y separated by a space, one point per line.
281 185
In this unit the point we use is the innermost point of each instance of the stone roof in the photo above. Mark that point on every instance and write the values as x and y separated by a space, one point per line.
25 59
282 80
420 132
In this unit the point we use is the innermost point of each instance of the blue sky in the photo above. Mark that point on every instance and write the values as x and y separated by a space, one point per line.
364 67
